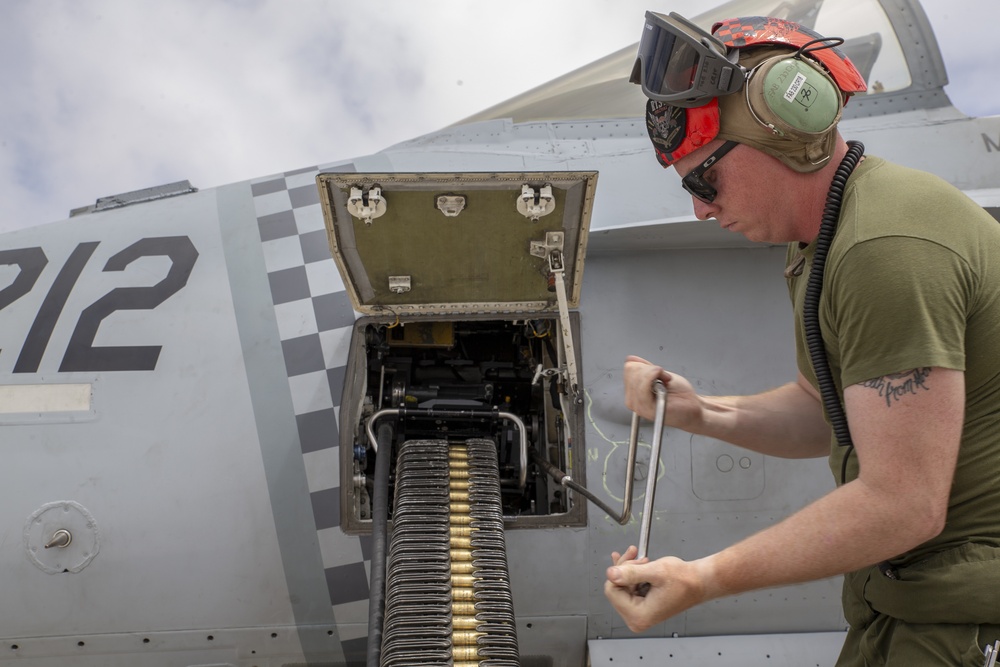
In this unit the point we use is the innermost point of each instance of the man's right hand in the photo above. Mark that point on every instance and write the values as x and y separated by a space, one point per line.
684 408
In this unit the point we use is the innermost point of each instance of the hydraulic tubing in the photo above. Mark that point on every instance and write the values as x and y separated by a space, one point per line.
456 414
380 521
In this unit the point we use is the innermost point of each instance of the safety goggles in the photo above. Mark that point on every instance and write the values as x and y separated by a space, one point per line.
681 64
694 182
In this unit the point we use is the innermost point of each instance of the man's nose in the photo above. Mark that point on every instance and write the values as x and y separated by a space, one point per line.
703 210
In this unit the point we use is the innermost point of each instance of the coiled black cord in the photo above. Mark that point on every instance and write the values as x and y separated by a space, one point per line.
810 316
810 309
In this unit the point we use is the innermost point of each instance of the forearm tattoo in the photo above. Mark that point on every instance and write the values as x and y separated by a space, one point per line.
896 385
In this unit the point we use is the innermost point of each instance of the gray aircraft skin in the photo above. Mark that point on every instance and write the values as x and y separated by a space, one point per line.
185 375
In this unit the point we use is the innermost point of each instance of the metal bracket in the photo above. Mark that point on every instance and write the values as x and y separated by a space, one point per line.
534 203
553 241
399 284
451 205
366 204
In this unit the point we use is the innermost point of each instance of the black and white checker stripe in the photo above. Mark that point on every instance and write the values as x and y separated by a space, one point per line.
315 320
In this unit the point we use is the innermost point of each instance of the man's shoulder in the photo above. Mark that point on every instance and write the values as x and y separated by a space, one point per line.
884 198
876 171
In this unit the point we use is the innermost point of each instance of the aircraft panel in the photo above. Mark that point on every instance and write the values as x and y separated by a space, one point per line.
780 650
291 470
172 375
136 305
709 494
315 319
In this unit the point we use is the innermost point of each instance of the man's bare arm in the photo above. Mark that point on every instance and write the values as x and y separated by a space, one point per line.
907 449
786 421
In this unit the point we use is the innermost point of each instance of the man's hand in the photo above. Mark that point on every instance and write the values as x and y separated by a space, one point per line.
674 586
684 410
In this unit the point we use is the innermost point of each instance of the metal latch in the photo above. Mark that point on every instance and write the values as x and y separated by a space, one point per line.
366 204
451 205
553 241
399 284
534 203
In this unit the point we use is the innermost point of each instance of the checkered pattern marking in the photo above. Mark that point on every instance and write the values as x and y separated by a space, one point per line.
315 319
734 33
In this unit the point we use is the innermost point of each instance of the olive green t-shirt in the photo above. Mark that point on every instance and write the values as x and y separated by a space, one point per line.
912 280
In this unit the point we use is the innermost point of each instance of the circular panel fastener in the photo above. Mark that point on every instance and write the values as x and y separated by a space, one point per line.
61 536
534 203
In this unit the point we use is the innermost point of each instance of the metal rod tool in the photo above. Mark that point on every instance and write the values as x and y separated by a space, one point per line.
654 464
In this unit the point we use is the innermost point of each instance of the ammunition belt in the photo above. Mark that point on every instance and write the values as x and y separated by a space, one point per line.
448 599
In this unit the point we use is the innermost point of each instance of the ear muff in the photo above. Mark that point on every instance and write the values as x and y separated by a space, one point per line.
794 98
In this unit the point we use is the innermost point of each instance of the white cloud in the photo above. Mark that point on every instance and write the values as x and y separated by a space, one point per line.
109 96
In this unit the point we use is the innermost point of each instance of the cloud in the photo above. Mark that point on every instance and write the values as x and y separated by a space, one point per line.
109 96
119 99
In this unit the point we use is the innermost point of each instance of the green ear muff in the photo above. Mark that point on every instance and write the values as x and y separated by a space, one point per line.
794 98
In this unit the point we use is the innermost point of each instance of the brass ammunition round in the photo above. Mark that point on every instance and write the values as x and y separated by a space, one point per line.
460 555
458 474
460 608
465 623
459 495
462 653
458 485
463 594
459 519
459 542
458 464
460 567
460 531
461 507
462 580
465 638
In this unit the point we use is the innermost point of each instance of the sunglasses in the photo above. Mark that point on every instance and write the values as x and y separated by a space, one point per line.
698 186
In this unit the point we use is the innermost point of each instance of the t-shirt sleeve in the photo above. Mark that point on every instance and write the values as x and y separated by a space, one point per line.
897 303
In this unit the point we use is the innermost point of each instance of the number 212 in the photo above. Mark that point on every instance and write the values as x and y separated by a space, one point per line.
81 353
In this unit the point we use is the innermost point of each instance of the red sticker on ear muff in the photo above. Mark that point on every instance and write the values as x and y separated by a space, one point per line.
666 124
676 131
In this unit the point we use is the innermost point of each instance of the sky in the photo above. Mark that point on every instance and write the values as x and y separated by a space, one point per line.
101 97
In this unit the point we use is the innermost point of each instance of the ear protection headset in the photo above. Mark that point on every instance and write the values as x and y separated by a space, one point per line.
794 97
683 70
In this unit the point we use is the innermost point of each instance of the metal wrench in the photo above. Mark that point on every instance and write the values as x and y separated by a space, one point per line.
992 653
654 466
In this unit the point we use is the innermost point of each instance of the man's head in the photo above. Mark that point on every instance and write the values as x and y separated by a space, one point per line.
767 83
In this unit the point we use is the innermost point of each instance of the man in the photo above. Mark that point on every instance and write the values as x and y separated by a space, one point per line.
907 326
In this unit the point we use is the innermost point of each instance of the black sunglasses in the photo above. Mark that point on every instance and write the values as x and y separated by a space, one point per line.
698 186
